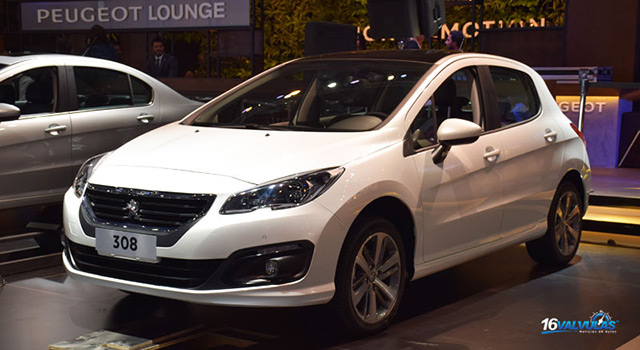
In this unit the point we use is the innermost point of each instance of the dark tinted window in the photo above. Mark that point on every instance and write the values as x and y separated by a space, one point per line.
456 97
33 91
142 93
517 97
100 88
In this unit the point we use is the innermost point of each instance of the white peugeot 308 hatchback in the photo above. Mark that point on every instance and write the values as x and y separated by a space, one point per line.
335 180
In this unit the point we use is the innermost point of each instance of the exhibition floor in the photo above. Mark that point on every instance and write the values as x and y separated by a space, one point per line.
500 301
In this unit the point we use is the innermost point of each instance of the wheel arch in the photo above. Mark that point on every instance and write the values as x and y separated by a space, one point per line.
398 213
574 177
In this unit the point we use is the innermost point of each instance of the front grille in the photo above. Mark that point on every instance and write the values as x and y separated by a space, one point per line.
167 272
154 209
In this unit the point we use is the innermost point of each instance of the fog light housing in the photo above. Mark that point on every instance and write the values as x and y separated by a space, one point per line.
271 267
275 264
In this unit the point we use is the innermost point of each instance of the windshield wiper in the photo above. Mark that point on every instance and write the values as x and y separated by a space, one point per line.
255 126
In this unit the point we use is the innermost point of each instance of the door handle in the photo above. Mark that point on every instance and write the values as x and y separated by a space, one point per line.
550 136
55 129
145 118
492 154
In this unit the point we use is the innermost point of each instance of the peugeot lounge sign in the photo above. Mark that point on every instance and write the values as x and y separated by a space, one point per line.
142 14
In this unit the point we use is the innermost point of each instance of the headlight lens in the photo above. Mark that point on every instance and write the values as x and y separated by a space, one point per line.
282 194
80 182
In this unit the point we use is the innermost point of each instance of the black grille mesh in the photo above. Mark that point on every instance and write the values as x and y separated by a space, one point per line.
149 209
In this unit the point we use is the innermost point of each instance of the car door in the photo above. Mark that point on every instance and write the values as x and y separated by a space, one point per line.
111 108
531 157
35 149
460 197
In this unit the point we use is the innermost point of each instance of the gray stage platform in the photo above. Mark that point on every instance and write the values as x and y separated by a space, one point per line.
495 302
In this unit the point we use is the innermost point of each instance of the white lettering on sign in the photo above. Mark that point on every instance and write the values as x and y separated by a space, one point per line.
119 14
103 14
588 106
203 10
56 16
445 30
42 14
85 17
179 12
218 10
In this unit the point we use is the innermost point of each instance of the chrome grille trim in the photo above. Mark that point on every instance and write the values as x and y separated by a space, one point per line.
151 211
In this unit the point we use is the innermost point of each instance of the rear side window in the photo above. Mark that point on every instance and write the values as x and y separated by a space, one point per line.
517 98
106 88
98 88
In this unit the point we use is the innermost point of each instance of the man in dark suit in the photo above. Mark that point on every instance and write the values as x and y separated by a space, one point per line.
161 64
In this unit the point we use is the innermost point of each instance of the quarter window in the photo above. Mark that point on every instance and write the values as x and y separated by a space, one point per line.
517 97
457 97
142 93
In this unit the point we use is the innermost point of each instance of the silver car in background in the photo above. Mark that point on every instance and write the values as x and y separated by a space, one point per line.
56 111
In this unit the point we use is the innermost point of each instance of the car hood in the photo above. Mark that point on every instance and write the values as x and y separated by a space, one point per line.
254 156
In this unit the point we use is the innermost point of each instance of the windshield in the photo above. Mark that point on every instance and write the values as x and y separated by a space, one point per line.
340 95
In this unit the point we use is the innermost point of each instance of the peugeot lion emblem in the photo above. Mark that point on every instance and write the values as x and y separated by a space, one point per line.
133 209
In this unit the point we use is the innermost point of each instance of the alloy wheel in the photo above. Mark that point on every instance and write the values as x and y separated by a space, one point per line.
376 278
567 223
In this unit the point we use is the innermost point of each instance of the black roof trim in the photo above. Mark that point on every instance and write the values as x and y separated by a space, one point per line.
426 56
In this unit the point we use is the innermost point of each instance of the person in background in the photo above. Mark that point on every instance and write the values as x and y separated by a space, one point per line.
99 45
361 43
160 63
115 42
454 41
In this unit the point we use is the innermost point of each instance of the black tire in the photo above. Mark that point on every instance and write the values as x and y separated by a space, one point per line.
564 228
353 282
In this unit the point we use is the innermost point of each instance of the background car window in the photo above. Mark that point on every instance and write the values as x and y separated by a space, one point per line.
517 99
100 88
142 93
33 91
457 97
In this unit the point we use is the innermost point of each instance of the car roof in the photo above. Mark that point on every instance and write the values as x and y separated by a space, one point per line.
423 56
10 60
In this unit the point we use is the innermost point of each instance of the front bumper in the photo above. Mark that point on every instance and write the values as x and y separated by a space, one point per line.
217 238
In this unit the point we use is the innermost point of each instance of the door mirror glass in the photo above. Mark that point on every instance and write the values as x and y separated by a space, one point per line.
8 112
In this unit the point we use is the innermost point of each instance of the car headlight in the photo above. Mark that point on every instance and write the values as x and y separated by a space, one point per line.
80 182
281 194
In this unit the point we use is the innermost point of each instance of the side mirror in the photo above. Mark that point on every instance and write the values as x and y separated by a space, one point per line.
8 112
455 132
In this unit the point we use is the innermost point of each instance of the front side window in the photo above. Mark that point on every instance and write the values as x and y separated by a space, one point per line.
101 88
456 97
517 99
338 95
33 91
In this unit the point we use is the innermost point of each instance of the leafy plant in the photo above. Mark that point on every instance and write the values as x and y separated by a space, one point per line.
285 20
